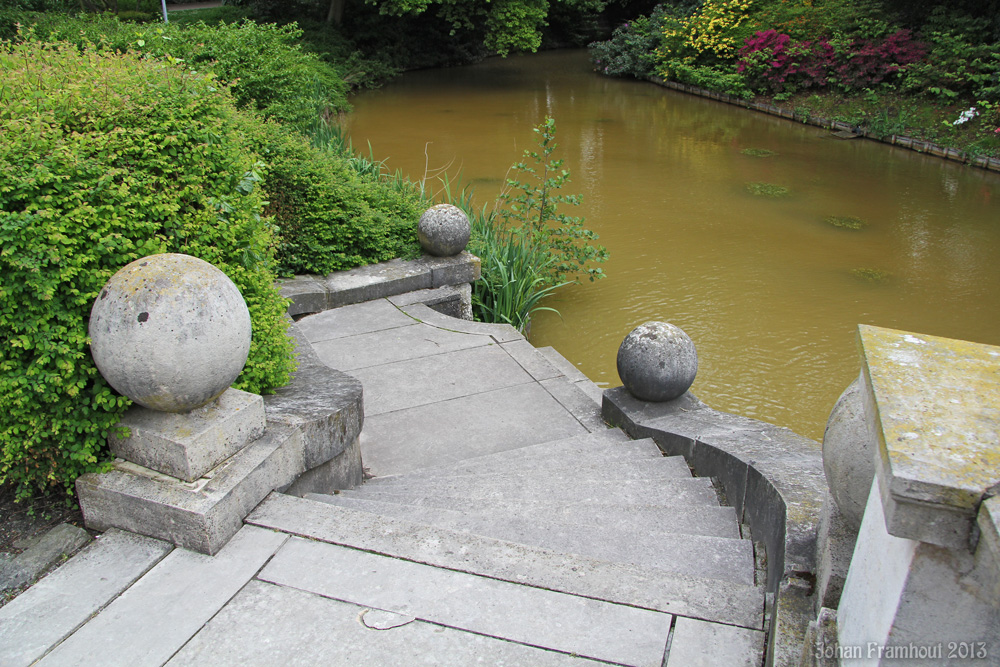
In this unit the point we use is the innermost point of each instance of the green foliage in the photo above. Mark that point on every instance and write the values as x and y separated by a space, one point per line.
870 275
92 177
768 190
631 51
845 221
267 69
758 152
533 204
331 215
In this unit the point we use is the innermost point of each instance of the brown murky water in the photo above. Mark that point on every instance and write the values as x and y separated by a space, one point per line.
767 290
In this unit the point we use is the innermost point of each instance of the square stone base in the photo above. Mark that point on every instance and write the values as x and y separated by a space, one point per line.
188 445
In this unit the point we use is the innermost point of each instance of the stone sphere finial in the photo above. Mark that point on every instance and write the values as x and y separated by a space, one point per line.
444 230
170 331
657 361
849 451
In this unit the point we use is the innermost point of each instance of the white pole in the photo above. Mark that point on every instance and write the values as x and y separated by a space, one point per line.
163 5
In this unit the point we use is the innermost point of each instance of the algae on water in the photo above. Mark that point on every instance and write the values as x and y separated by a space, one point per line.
767 190
870 275
845 221
758 152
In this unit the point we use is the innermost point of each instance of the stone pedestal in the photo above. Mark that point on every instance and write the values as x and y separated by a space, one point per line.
188 445
923 580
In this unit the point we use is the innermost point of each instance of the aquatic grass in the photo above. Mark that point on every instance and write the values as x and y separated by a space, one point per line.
758 152
845 221
768 190
870 275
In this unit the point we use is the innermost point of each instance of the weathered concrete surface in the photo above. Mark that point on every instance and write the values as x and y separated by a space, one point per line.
937 403
265 624
324 404
344 471
835 548
188 445
546 619
60 603
170 331
451 300
713 600
700 644
312 294
61 541
202 515
158 614
772 476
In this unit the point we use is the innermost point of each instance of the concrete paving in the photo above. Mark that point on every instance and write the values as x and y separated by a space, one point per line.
506 525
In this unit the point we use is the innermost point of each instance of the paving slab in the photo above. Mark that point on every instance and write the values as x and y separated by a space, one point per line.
438 377
449 431
534 363
577 402
686 519
546 619
699 644
562 364
275 626
691 491
158 614
56 606
41 554
646 588
390 345
501 333
666 467
694 555
346 321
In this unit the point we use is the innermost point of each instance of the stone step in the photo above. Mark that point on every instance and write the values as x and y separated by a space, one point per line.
690 491
608 445
572 373
643 587
685 519
673 467
462 601
693 555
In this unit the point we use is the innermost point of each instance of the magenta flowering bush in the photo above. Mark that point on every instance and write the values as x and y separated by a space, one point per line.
773 61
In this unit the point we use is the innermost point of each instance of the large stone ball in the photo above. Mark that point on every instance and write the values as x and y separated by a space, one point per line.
170 331
444 230
849 448
657 362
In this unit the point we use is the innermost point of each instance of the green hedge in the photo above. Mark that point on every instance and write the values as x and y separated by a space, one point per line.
266 66
331 217
107 158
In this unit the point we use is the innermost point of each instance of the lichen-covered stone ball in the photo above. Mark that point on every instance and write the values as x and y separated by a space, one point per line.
170 331
657 362
444 230
849 450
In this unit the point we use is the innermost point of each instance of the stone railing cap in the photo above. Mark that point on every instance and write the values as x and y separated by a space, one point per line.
937 402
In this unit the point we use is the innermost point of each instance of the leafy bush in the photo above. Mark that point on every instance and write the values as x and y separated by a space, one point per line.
92 177
631 51
771 60
267 69
864 63
961 62
329 215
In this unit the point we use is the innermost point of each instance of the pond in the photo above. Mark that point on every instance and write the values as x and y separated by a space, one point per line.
768 289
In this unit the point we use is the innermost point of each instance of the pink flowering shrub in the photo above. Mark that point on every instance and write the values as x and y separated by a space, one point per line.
773 61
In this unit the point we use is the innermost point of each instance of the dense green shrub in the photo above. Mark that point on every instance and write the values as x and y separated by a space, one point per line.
107 158
267 69
331 217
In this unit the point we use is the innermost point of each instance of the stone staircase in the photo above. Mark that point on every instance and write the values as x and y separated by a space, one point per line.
594 546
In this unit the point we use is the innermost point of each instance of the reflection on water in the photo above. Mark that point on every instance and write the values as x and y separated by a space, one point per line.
770 293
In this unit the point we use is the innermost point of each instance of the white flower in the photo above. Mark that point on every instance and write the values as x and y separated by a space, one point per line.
966 116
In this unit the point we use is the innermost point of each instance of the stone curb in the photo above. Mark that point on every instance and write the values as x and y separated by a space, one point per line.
313 294
772 476
924 147
43 552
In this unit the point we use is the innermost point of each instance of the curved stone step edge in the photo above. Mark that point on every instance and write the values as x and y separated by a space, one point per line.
679 520
688 491
572 373
611 443
704 556
709 600
673 467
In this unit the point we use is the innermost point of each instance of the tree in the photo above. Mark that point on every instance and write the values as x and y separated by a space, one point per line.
511 25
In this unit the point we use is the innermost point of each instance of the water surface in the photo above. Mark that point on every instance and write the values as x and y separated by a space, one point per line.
770 293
